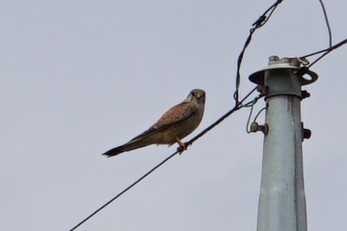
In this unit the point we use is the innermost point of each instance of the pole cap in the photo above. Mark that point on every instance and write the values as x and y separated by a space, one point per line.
276 63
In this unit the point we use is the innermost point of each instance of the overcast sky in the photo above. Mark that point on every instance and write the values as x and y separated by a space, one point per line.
80 77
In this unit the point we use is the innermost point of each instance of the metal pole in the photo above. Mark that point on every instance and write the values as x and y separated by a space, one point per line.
282 205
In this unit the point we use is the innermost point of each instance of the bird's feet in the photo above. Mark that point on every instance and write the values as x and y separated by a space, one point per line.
182 146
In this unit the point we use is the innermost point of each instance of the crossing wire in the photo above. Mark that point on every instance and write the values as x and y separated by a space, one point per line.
324 51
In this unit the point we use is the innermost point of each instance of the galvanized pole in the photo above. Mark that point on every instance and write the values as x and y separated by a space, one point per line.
282 205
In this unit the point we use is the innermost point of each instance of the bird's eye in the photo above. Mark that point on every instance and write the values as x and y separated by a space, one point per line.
196 94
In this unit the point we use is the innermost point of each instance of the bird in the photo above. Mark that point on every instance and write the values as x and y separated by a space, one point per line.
175 124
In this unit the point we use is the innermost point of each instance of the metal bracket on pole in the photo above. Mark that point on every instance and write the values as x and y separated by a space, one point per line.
287 67
282 204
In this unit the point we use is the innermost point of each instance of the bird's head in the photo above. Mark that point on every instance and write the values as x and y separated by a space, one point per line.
197 95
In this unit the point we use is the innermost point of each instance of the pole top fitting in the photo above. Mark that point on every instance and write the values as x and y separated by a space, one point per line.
273 58
289 62
293 64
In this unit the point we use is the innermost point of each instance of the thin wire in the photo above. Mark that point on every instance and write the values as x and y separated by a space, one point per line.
255 117
327 22
274 5
249 119
124 190
314 53
327 51
190 142
261 21
326 18
237 107
271 9
331 47
259 112
253 101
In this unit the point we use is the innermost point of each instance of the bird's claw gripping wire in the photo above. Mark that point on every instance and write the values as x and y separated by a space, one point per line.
181 146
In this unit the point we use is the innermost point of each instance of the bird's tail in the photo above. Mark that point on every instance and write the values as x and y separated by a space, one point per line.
131 145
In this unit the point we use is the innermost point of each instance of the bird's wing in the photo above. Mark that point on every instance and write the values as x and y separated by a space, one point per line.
176 114
173 116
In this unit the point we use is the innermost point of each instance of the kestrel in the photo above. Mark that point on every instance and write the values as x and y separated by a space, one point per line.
175 124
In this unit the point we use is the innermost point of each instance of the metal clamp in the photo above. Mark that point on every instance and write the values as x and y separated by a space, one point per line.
303 72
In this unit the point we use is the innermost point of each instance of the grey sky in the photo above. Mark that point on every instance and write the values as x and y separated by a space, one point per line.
80 77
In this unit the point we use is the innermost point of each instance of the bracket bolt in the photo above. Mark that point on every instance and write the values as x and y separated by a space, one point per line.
305 94
306 133
255 127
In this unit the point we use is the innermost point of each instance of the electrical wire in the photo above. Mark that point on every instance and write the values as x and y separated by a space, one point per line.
124 191
337 45
330 49
249 119
250 114
327 22
190 142
324 51
227 114
259 112
331 46
261 21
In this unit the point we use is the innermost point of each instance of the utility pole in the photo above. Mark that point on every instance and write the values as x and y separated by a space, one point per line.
282 204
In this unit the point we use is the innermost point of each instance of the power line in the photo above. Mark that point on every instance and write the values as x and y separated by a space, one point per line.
261 21
124 191
327 22
227 114
337 45
237 107
331 46
328 51
324 51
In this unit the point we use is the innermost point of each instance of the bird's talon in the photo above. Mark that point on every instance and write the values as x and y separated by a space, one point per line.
182 147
